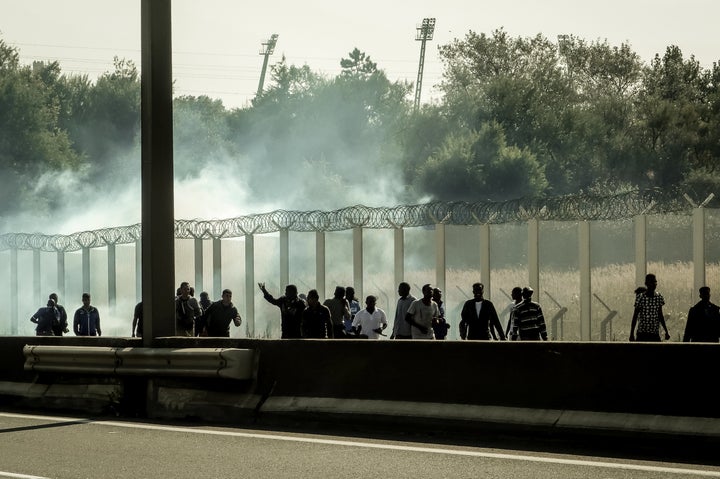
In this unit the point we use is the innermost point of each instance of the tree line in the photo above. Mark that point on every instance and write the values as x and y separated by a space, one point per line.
518 117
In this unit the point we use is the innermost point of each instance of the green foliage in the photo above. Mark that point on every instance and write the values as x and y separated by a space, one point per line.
518 117
32 144
479 166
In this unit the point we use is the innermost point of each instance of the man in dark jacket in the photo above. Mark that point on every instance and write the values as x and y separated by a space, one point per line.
478 316
220 314
87 319
60 326
316 319
44 318
703 323
291 308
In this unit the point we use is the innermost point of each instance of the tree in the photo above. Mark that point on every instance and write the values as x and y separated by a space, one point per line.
478 166
32 144
358 65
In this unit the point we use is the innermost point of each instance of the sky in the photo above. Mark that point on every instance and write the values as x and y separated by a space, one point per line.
216 43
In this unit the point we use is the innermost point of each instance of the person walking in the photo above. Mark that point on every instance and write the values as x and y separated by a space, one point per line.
44 318
648 314
478 317
86 321
423 314
316 321
528 319
370 322
60 325
401 328
291 309
220 314
703 322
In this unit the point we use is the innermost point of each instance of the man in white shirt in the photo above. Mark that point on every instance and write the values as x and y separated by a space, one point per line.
371 321
422 314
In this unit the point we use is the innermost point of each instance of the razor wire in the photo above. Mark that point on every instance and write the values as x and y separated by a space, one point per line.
580 207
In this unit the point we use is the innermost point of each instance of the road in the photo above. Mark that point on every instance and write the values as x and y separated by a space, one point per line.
37 446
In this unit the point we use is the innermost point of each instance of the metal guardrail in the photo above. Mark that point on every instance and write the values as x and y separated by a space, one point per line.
229 363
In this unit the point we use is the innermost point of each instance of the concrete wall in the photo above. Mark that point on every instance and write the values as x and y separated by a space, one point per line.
443 379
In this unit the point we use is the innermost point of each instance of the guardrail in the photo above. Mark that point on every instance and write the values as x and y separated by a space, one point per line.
229 363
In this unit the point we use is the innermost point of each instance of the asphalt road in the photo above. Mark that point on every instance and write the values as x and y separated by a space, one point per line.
34 446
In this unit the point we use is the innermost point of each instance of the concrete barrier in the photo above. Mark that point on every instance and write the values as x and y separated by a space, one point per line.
663 388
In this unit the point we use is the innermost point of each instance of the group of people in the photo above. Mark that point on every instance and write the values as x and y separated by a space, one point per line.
52 319
703 321
424 318
196 318
304 316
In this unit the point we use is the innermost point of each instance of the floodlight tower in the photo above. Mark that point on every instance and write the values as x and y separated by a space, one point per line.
424 33
268 48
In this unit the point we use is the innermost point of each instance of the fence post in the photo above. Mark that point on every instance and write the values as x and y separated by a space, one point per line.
585 281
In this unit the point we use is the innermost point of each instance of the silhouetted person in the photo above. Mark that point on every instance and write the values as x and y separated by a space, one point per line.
44 318
441 326
703 322
201 322
528 319
291 308
187 309
648 314
422 314
354 306
339 311
401 328
137 322
86 321
516 295
478 316
60 325
220 314
316 319
370 322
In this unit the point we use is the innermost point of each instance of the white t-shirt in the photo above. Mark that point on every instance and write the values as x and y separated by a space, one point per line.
423 315
369 321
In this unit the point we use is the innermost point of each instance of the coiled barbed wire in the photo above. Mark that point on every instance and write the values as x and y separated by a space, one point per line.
579 207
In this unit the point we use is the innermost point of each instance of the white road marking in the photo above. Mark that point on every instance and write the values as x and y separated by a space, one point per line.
20 476
369 445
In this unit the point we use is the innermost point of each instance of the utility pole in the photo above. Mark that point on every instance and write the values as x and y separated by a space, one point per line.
424 33
268 48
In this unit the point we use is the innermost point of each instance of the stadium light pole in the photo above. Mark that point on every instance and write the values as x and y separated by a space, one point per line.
424 33
268 48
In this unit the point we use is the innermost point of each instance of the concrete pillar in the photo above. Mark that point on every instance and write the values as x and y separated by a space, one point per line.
440 258
250 284
399 253
86 270
584 242
199 265
138 271
284 258
37 287
358 261
112 278
640 222
320 263
14 291
217 268
485 278
534 256
61 274
699 278
158 223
